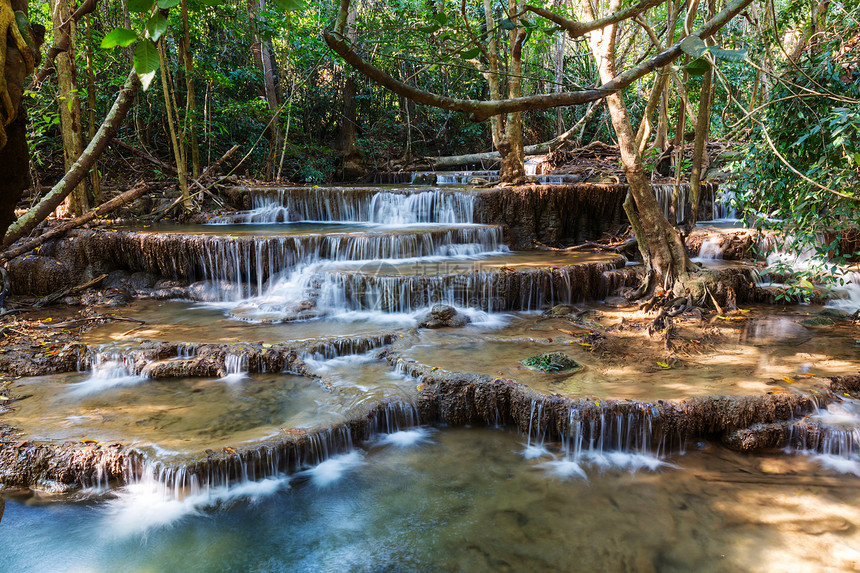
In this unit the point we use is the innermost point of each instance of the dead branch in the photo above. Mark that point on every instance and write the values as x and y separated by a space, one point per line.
118 201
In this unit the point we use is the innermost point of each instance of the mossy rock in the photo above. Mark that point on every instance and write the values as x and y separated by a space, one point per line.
552 363
818 321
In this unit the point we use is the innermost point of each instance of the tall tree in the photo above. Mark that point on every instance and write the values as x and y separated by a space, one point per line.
19 53
661 245
69 103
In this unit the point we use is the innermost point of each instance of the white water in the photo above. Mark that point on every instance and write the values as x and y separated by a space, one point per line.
109 370
333 469
406 438
844 294
711 250
836 446
236 367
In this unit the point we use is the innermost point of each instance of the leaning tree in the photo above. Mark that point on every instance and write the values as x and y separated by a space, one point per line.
659 241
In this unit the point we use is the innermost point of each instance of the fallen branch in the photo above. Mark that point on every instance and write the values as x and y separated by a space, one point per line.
170 169
118 201
31 219
66 292
616 248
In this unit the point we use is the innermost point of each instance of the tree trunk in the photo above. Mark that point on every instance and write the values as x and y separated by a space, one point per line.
95 180
666 255
190 101
172 121
703 126
69 104
14 154
31 219
262 52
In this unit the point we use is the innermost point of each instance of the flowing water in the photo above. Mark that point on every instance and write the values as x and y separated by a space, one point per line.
460 500
611 492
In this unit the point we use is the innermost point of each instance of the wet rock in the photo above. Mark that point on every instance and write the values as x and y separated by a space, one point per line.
117 279
142 281
733 245
728 286
58 467
561 310
119 296
424 179
616 302
39 275
818 321
442 316
168 284
478 181
758 437
835 313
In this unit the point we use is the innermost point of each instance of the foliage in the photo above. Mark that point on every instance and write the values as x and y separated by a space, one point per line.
811 127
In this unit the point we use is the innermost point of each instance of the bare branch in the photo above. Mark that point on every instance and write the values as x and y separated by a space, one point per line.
481 110
576 29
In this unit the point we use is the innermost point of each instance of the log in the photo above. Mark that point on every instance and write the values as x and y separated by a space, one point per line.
31 219
118 201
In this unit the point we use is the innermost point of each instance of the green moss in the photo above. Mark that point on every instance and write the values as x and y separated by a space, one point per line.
552 363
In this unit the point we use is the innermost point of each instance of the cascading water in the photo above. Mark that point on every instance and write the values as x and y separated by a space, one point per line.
108 370
628 441
831 436
388 207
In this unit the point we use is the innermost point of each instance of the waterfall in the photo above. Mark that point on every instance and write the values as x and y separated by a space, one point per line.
357 205
831 436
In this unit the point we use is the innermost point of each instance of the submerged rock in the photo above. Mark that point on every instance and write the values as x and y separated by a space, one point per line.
444 316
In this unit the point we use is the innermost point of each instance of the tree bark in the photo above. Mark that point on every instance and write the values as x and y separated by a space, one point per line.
31 219
95 180
15 66
172 121
666 255
190 101
262 53
69 103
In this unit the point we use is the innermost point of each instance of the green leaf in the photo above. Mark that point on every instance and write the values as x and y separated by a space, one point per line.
290 5
156 26
728 55
211 2
693 46
139 5
507 24
165 4
146 62
469 54
441 18
119 37
429 29
698 67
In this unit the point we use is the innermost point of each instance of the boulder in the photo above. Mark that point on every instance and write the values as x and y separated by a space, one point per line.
442 316
38 275
424 179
